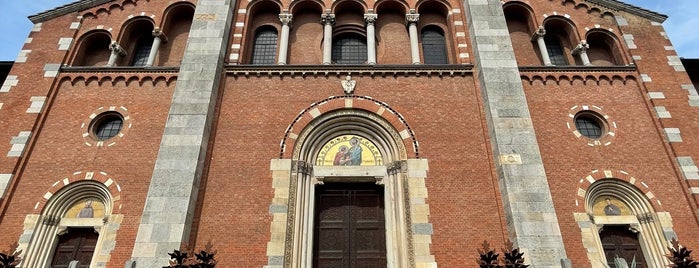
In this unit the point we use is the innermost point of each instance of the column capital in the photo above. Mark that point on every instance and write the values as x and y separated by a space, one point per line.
158 33
370 18
412 17
117 49
581 48
327 19
286 18
539 33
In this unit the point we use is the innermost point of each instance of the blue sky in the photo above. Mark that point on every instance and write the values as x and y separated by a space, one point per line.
681 26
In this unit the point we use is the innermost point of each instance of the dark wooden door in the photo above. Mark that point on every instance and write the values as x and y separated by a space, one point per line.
78 244
350 231
620 241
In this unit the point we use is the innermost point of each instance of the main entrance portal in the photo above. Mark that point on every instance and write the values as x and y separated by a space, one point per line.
350 229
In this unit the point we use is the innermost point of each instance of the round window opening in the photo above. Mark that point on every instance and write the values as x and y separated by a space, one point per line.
589 125
107 125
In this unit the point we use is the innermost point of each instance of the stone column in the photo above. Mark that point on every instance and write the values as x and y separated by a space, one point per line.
539 36
117 51
581 50
370 19
531 219
327 20
285 18
411 19
158 36
170 203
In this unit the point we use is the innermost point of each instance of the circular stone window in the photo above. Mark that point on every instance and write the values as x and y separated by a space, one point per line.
107 125
591 124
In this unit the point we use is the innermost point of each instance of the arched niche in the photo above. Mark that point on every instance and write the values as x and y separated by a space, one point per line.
604 49
93 49
176 26
520 24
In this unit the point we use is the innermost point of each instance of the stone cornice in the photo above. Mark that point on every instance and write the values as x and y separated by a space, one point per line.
342 70
66 9
621 6
120 69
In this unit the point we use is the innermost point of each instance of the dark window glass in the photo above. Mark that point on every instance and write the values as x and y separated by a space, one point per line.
265 48
108 126
433 46
349 49
142 50
619 242
588 126
555 50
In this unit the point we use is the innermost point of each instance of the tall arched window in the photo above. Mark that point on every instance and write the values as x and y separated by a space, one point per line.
264 48
142 50
349 49
434 48
555 50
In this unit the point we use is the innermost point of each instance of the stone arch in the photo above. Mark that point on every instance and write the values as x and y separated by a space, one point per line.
261 15
177 21
521 26
435 14
297 177
563 30
42 231
637 209
378 108
92 48
135 31
348 7
605 49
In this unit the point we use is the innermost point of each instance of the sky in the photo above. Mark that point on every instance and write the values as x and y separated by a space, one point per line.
681 26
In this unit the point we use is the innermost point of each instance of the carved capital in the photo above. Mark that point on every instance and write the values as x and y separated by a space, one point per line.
635 228
285 18
51 220
645 218
327 19
158 33
539 33
370 18
302 167
412 17
117 49
581 48
397 167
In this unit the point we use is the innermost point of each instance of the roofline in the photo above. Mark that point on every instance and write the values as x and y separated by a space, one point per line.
76 6
86 4
638 11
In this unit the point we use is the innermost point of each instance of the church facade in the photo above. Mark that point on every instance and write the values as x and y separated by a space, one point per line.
348 133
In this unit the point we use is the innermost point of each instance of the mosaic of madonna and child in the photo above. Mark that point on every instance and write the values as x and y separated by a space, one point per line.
349 150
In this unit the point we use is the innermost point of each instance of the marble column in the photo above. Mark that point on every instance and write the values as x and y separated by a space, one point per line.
412 19
117 51
539 37
285 18
158 37
581 50
327 20
370 20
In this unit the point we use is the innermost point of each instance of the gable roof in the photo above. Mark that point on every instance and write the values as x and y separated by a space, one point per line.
81 5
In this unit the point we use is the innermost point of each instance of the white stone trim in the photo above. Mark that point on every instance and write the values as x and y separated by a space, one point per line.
37 103
662 112
673 134
4 181
10 82
18 143
689 169
628 38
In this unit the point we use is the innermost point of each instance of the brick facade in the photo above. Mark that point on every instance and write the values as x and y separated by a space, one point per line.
482 147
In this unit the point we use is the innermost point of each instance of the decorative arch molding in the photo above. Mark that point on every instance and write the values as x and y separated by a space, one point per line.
644 217
560 78
366 103
296 175
43 229
129 79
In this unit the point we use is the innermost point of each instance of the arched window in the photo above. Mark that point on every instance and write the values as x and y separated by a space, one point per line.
93 49
142 50
349 49
555 50
434 48
264 48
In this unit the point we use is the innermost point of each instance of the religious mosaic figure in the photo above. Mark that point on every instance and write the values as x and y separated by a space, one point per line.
87 211
341 156
355 152
611 209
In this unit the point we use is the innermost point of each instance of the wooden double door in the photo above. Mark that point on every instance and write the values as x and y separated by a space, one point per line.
619 241
78 244
350 229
